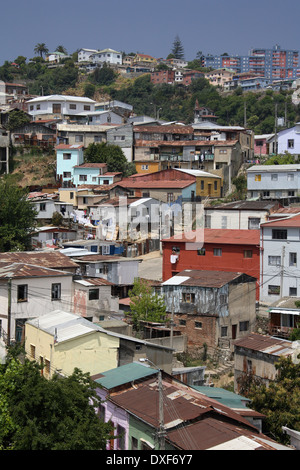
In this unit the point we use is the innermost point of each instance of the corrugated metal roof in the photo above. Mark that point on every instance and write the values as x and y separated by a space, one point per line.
220 236
124 374
64 325
266 344
204 278
20 270
48 259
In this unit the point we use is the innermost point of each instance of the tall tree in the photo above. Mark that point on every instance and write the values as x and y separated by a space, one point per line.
279 401
61 49
110 154
55 414
177 49
145 304
17 217
41 49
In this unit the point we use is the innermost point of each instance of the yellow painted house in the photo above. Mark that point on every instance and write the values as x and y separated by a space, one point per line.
207 184
62 341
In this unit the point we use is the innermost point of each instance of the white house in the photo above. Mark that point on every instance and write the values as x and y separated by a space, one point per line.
56 57
239 215
280 259
107 55
59 106
288 140
34 291
273 181
84 55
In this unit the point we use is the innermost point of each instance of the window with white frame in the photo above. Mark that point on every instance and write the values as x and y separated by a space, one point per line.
293 259
274 260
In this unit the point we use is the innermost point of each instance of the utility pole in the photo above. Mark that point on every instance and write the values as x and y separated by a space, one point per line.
9 312
161 429
275 150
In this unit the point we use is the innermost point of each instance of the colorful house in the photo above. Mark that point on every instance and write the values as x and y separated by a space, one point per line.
67 157
213 249
62 341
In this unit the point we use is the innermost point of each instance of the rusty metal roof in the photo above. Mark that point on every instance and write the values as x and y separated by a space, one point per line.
203 278
49 259
20 270
266 344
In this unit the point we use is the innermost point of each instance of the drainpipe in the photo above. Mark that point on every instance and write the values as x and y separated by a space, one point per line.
9 312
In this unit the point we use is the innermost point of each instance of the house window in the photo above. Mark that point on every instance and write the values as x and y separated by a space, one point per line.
293 291
266 193
188 297
223 299
290 143
82 177
71 195
22 293
201 252
273 290
56 108
182 322
56 292
101 412
78 138
291 193
42 206
278 234
290 176
253 223
72 106
217 251
170 197
202 184
244 325
248 253
47 366
67 174
274 260
224 221
145 167
215 185
121 437
293 259
66 156
274 177
32 351
134 443
93 294
257 177
223 331
97 138
198 324
86 107
207 219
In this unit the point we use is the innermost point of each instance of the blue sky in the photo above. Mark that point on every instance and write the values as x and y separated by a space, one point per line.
212 26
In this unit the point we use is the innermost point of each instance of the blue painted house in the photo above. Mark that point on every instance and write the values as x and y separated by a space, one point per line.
67 157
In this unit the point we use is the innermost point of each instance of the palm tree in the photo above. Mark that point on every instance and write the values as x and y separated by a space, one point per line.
41 49
61 49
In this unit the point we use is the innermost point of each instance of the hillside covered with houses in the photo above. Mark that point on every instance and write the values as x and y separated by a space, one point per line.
160 206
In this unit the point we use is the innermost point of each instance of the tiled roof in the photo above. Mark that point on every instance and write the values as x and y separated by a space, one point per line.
68 147
291 221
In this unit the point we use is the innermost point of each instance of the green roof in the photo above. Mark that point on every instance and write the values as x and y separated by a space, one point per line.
124 374
230 399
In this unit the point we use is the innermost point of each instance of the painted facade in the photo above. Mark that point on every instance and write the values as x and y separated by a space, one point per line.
273 181
64 341
58 106
280 257
67 157
217 250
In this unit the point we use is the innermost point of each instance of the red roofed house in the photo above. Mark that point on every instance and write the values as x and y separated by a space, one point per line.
213 250
169 186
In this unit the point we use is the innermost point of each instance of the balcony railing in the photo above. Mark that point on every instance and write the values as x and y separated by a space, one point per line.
280 331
